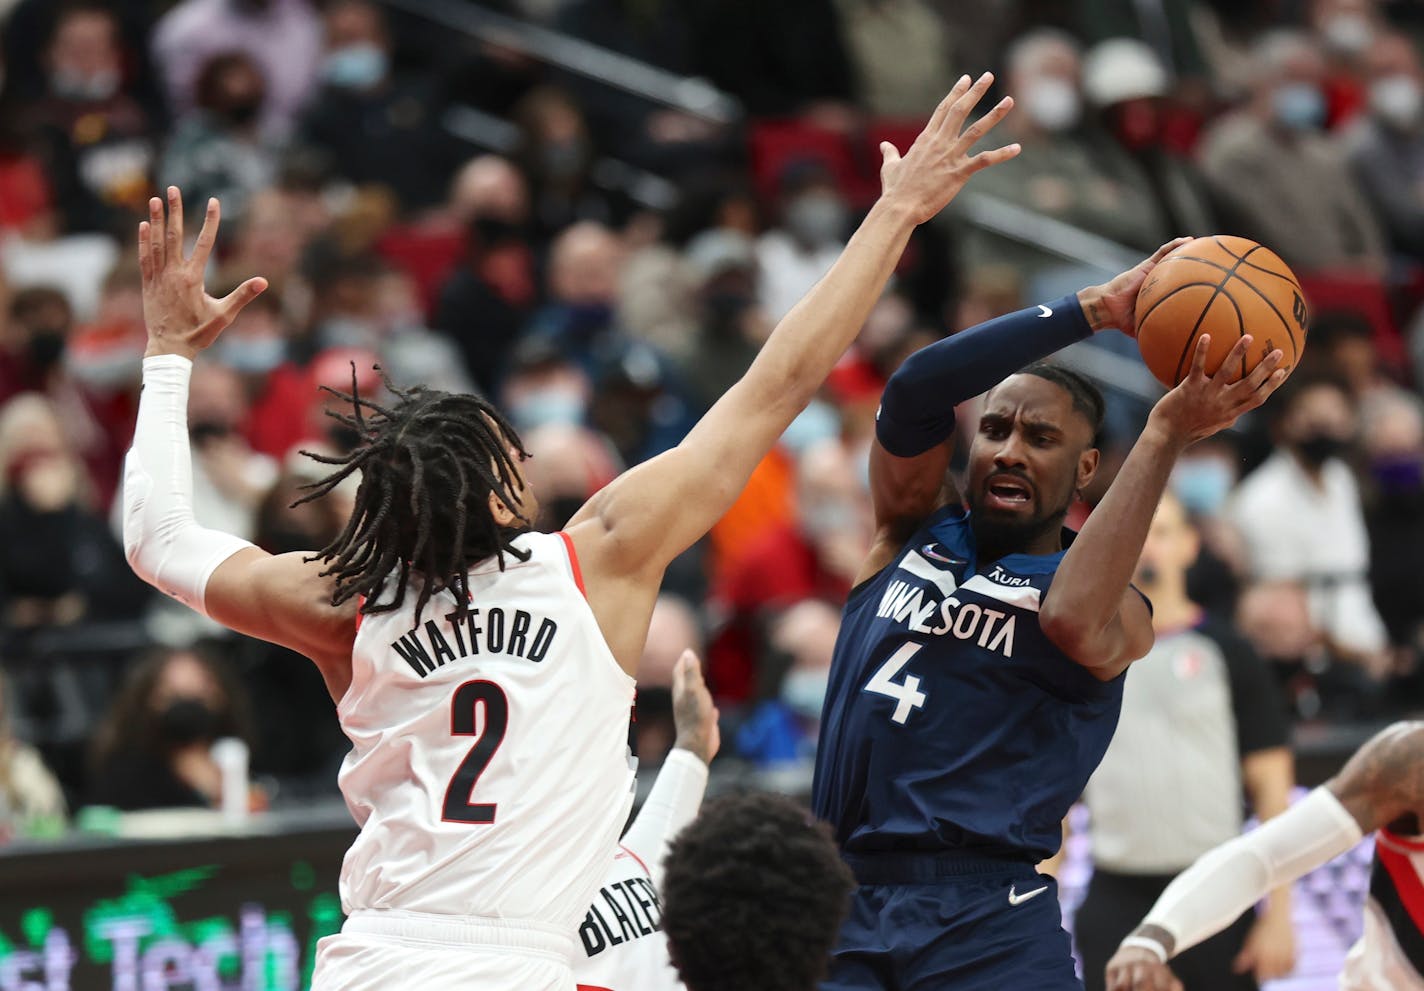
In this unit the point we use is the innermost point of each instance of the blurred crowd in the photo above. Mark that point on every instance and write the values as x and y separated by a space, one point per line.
457 212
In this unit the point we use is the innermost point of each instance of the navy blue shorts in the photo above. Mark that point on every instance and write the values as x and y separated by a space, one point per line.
952 924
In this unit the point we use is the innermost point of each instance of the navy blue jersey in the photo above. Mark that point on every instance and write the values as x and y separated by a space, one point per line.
952 724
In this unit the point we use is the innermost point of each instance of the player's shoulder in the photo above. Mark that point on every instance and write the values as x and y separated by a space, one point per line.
1385 778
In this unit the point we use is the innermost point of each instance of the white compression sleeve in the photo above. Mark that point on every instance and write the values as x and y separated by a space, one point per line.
1224 882
673 803
163 542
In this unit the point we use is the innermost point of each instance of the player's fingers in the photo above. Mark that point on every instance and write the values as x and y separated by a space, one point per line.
889 154
1167 249
987 158
942 111
208 235
960 110
145 258
1236 357
1263 369
173 238
155 224
231 304
975 132
1198 369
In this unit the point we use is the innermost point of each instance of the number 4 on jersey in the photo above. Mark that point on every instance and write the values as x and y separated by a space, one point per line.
906 694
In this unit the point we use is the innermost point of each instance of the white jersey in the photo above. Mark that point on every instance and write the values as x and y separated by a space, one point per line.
489 768
1390 954
621 941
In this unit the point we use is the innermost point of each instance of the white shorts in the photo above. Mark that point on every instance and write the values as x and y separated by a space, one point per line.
393 951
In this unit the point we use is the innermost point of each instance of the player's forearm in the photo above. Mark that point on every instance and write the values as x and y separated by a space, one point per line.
1088 589
162 540
917 409
672 803
809 340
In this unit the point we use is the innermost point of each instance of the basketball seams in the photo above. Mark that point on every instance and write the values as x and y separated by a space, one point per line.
1231 273
1250 264
1191 342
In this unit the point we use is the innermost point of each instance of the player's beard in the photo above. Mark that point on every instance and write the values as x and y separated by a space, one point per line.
1004 535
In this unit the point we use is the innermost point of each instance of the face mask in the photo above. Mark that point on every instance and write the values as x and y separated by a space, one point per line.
242 113
545 406
1347 34
804 691
349 332
816 219
491 232
1319 448
824 518
74 86
1146 574
1299 106
187 721
586 319
46 349
562 159
359 66
1396 100
1398 474
1052 103
251 355
1202 484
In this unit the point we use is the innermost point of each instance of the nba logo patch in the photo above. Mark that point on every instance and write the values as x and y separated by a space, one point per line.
1187 665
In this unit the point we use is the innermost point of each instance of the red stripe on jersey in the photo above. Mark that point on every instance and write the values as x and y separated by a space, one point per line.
1415 843
590 987
573 563
1406 880
360 604
637 858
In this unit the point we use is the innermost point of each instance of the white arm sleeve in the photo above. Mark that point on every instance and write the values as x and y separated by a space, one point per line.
163 542
673 803
1224 882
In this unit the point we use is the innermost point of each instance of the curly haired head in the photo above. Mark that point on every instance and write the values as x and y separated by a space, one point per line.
753 896
432 465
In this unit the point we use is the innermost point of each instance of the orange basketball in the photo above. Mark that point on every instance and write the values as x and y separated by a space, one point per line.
1225 287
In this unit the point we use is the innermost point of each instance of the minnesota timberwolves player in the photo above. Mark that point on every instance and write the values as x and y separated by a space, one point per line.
978 674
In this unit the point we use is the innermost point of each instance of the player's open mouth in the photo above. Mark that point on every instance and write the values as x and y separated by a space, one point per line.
1005 490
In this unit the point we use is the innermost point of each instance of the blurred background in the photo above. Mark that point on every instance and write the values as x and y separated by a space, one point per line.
594 212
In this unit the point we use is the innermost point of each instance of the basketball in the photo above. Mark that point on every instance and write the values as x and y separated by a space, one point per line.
1225 287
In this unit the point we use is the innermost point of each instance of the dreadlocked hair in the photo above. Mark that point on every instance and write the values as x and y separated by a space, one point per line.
428 464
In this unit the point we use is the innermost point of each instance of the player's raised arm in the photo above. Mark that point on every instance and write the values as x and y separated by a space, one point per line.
1091 611
913 428
283 599
654 512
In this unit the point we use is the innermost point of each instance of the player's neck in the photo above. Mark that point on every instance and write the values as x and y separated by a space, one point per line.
992 547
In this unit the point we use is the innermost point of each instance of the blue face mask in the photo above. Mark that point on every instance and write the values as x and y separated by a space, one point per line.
804 691
1300 106
546 406
358 66
1203 485
251 355
1398 473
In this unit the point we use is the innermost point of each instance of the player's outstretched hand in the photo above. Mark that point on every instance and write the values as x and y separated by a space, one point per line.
1114 303
1202 404
1133 968
693 710
939 163
181 317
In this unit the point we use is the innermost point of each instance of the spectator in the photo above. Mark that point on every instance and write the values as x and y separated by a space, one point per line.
1062 172
732 325
1394 446
578 320
1127 84
31 802
900 54
816 556
757 874
488 298
1201 718
94 138
1202 481
153 748
61 563
779 734
793 256
1301 517
217 150
1347 30
410 351
545 388
1278 179
557 153
1385 144
373 125
285 524
573 464
282 36
673 629
230 480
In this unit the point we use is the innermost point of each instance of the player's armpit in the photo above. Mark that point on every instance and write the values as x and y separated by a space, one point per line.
904 491
1384 780
1106 651
285 600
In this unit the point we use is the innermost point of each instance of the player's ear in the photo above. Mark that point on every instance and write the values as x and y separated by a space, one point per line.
503 515
1088 466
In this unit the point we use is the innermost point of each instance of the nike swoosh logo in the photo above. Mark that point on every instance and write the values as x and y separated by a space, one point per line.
929 552
1017 899
1044 311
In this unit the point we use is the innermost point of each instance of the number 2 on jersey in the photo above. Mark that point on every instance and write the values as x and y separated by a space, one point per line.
907 694
489 731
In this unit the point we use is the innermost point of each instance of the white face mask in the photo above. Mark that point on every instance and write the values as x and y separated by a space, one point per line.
1052 103
1348 34
1397 100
